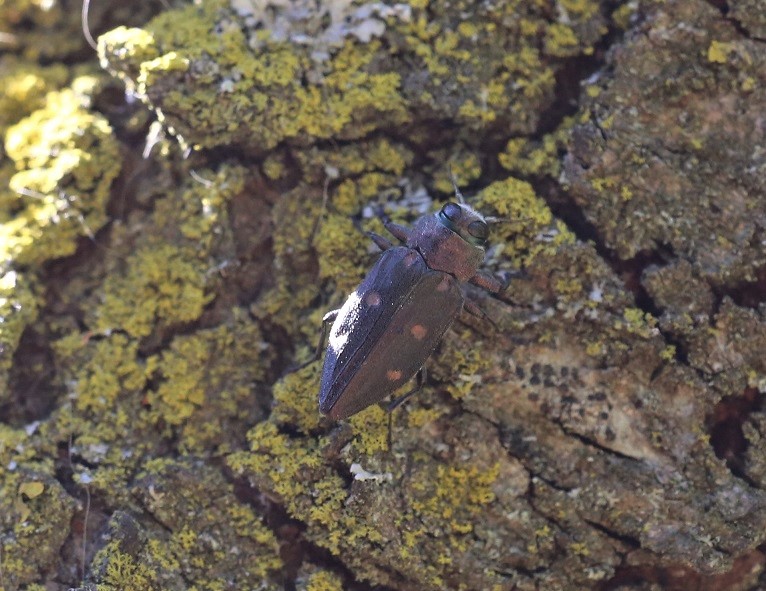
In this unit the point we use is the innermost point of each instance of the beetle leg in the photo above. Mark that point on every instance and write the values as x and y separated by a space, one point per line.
327 320
488 282
474 310
420 379
381 242
399 232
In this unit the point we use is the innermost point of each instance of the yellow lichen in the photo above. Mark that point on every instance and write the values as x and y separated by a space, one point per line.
112 369
274 167
340 252
18 308
265 87
135 46
668 353
123 572
622 15
295 399
370 430
66 159
25 86
158 67
527 157
526 216
324 581
419 417
638 322
270 452
309 490
163 285
188 388
453 495
718 52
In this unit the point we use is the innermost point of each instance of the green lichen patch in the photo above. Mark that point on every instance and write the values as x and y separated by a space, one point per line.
208 539
531 157
356 173
232 85
295 399
528 229
46 31
289 468
451 495
162 285
370 428
492 58
340 253
40 30
19 306
295 217
422 534
123 572
177 394
110 373
224 73
323 581
459 367
25 85
35 513
66 159
196 216
296 472
104 422
205 384
136 46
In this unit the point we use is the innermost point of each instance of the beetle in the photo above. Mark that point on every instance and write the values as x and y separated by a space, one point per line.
388 327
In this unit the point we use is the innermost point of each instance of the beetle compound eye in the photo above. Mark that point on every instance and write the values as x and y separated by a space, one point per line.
452 211
478 230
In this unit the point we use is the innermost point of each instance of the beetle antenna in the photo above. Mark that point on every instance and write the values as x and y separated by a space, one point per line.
458 194
491 219
331 173
85 27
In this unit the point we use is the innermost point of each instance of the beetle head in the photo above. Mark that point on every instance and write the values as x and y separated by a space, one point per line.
464 221
451 240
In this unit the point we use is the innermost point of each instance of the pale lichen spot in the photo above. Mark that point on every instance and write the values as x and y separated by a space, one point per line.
418 331
372 299
394 375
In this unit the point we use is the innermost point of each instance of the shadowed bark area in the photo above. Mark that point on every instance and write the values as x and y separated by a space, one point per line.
168 255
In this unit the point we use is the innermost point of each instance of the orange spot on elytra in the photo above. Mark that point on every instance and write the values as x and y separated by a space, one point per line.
372 298
443 284
418 331
394 374
410 259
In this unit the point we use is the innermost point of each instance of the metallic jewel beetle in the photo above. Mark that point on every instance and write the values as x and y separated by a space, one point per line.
392 322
